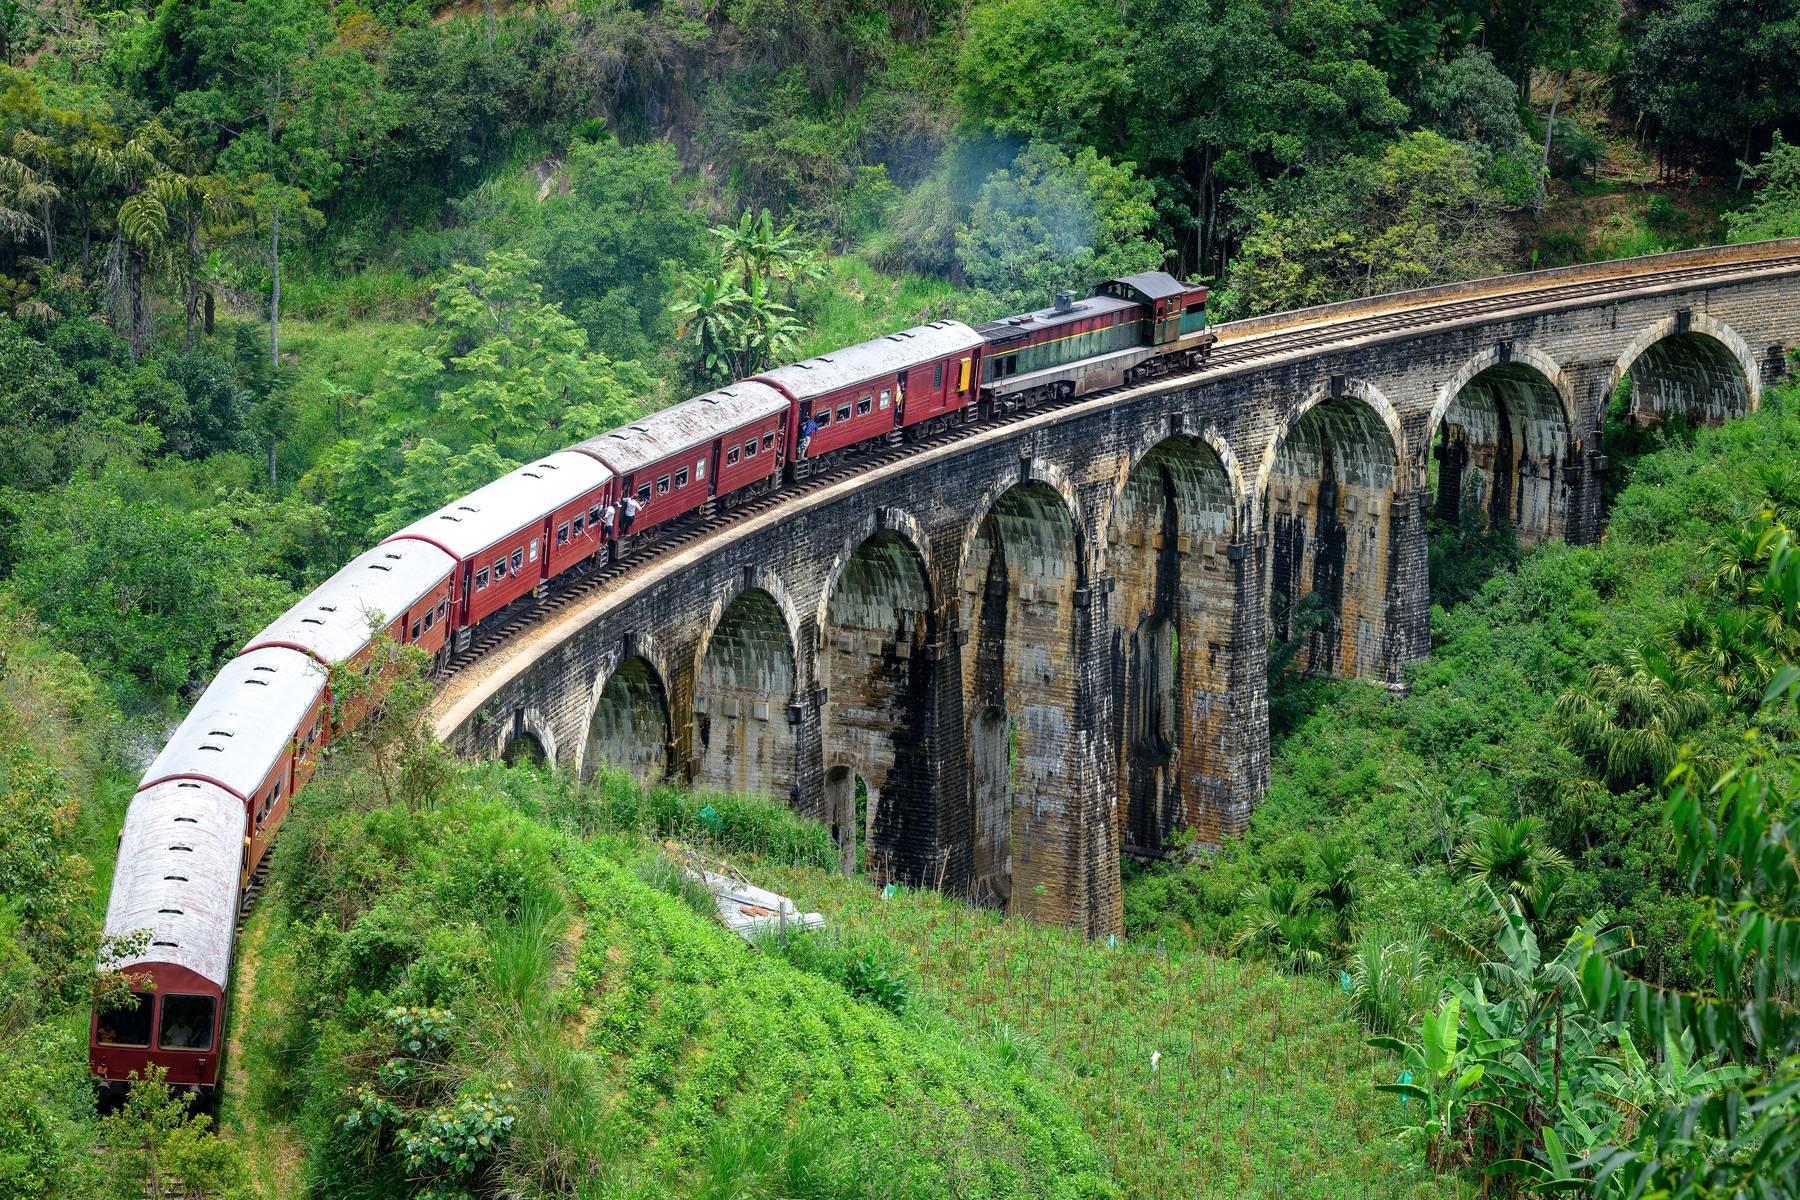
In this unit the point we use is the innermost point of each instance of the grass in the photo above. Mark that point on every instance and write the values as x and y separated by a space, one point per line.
370 294
856 302
648 1050
1262 1084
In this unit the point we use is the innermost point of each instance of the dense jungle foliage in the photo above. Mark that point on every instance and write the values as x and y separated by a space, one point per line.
277 276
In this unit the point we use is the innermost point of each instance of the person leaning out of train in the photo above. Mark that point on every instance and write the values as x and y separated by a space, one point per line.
609 516
631 511
806 436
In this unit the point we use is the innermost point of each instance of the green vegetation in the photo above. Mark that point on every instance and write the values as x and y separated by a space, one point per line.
277 276
1520 784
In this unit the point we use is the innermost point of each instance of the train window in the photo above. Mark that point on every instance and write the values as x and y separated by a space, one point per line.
700 470
580 524
187 1022
518 558
681 478
562 534
731 457
481 578
768 441
121 1025
415 631
534 553
868 402
643 494
430 618
499 569
843 412
442 604
594 515
937 376
662 486
750 448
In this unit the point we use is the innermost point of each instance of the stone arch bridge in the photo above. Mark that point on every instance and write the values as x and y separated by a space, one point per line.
1043 643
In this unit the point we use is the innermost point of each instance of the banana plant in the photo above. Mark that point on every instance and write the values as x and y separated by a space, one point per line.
1444 1075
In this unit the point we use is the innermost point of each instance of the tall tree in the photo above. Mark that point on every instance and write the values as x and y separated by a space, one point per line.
258 49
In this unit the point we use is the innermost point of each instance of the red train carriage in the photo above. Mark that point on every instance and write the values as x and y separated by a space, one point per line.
674 461
406 586
256 734
176 884
501 535
866 392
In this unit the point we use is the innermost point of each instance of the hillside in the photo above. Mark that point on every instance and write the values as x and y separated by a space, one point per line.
278 277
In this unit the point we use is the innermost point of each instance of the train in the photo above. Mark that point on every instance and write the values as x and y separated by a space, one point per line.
201 823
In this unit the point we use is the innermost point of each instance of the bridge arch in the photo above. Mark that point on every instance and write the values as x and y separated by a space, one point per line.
1502 431
628 721
1691 363
527 737
1328 484
1174 599
1043 474
877 621
1019 580
745 672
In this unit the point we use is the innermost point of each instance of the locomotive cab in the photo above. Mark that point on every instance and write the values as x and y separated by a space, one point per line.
1176 310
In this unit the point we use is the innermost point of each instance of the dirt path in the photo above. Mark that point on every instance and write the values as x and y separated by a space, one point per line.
274 1153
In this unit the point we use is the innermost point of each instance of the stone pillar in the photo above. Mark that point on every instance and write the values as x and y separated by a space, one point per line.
948 762
1407 636
805 711
1246 733
1099 906
1587 461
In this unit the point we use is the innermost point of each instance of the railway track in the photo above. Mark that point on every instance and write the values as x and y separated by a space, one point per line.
1227 354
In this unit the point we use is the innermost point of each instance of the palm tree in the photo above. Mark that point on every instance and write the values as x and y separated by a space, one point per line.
709 308
25 199
1628 720
755 249
1282 920
1512 857
39 191
1728 651
194 204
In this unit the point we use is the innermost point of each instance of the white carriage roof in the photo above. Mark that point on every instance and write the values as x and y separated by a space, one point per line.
179 859
684 426
243 721
468 526
888 355
333 621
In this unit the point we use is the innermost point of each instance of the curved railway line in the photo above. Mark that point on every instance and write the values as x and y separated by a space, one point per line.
1231 353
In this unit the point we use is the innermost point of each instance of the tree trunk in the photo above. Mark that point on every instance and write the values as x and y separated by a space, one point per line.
274 306
190 299
209 312
1549 133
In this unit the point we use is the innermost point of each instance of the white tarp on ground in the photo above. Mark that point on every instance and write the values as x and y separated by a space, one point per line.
745 909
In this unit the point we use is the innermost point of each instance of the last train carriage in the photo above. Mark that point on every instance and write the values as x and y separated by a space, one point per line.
202 821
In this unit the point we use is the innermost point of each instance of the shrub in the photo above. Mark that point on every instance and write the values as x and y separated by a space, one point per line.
868 968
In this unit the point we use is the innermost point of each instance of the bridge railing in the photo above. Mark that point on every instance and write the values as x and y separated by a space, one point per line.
1494 285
